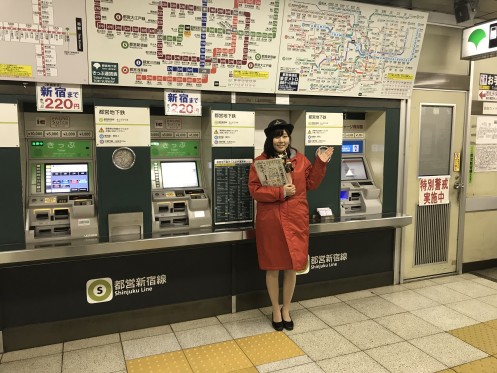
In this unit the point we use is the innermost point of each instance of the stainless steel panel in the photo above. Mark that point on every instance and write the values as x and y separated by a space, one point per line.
432 234
450 82
173 242
481 204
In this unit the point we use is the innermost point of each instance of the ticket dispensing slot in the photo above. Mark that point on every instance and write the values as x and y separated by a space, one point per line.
358 194
179 203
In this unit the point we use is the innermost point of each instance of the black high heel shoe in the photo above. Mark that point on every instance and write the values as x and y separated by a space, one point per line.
288 325
278 326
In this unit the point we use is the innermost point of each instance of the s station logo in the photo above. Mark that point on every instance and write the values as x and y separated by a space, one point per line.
104 289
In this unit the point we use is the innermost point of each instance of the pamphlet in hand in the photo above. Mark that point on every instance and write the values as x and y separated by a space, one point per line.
271 172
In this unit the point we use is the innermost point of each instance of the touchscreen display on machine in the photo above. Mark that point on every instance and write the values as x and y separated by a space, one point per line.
66 178
354 169
179 174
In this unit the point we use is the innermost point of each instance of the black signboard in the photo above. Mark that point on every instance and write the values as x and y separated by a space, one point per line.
232 201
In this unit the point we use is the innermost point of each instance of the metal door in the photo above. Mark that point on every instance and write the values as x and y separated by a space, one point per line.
434 147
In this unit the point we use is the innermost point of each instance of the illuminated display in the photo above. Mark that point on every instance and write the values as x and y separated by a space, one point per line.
354 169
66 178
179 174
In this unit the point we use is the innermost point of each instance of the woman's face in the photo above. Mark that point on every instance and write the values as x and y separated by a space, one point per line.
280 143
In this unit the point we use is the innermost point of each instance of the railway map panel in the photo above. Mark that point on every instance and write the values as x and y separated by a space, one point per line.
43 41
349 49
185 44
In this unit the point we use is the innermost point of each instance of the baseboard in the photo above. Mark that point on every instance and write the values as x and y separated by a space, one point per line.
476 266
256 299
36 335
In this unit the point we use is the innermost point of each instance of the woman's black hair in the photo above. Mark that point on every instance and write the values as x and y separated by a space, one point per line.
268 144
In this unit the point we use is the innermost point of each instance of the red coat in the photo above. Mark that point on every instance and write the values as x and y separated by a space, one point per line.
282 225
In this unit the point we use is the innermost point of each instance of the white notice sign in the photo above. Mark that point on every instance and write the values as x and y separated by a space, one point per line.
485 158
486 130
9 126
122 126
490 108
233 128
323 129
59 97
433 190
187 103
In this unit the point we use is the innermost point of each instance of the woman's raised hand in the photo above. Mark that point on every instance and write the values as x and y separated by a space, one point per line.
325 154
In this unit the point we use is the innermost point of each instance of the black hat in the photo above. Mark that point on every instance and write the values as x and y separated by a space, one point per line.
279 124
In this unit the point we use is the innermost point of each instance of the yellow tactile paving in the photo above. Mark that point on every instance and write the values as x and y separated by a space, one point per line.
447 371
163 363
247 370
492 323
217 357
269 347
487 365
482 336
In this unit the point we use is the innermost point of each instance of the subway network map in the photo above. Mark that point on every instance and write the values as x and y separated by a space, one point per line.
185 44
349 49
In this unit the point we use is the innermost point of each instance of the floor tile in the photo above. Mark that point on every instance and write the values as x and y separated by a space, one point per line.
99 359
448 349
471 289
482 336
237 316
375 307
32 352
475 309
91 342
284 364
418 284
469 276
323 344
448 279
245 328
202 336
485 282
293 307
170 362
304 321
269 347
403 357
338 314
357 362
407 325
319 301
490 299
367 334
444 317
409 300
355 295
148 332
218 357
487 365
388 289
442 294
45 364
157 344
307 368
195 324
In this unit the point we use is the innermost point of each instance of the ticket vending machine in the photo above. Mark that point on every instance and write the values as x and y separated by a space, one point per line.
60 193
180 201
358 193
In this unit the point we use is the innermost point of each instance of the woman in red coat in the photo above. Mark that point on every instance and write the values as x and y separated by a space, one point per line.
282 222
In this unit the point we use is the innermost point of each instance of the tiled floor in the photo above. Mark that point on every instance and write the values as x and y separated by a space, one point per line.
446 324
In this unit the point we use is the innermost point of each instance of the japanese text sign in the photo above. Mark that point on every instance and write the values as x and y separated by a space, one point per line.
59 97
433 190
233 128
182 103
122 126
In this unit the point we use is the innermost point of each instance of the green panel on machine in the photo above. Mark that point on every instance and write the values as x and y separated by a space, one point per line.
67 149
174 148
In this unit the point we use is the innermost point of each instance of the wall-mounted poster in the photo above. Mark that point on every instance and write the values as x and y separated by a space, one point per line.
226 46
43 41
349 49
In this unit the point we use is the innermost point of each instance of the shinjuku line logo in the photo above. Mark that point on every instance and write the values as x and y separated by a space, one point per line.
99 290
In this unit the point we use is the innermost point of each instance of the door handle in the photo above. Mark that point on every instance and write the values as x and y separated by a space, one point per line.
458 185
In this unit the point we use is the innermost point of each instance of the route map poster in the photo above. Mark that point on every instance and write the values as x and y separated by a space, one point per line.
348 49
185 44
43 41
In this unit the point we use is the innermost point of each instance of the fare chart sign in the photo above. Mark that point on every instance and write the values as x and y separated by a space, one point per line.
59 97
187 103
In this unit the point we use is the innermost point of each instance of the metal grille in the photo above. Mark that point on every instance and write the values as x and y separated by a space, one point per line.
432 234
